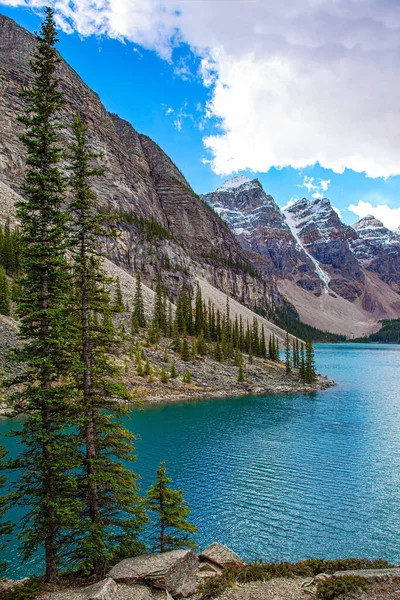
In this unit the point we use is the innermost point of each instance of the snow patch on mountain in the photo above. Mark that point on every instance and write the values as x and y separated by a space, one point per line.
236 182
323 275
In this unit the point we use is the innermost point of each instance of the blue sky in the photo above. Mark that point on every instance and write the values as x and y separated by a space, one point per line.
187 93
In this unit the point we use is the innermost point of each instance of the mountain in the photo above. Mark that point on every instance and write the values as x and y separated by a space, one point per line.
339 278
162 223
378 250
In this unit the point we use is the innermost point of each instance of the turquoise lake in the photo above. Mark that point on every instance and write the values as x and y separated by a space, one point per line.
285 477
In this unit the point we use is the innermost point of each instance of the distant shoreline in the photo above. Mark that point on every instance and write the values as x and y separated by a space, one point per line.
323 383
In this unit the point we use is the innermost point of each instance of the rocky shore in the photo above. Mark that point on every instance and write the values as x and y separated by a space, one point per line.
209 379
218 572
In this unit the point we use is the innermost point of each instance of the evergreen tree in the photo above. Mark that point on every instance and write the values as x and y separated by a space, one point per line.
240 374
201 345
118 302
294 354
218 351
238 358
147 368
199 317
310 374
5 305
187 377
139 366
165 355
173 373
170 320
251 351
302 365
111 514
176 339
171 514
288 367
159 316
46 482
138 304
163 375
185 354
263 346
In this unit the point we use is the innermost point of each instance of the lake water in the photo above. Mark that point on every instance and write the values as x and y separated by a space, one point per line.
287 477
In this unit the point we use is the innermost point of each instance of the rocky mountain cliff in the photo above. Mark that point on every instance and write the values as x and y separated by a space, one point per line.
338 277
152 200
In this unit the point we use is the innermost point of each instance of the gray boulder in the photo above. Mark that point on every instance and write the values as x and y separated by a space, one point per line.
136 592
222 556
102 590
173 571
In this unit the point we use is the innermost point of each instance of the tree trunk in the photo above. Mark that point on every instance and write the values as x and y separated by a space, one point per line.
90 433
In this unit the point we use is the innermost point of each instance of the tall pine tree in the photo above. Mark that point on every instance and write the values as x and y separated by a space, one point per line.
5 305
111 514
46 485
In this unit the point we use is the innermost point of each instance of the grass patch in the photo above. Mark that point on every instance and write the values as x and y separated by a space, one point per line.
336 588
259 571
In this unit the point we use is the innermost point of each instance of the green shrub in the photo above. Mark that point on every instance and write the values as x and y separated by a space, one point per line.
335 588
259 571
213 587
26 591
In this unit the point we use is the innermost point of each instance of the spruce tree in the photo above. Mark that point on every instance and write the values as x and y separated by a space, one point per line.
187 378
46 483
240 374
5 305
111 515
201 345
138 304
171 512
163 375
310 374
173 372
185 353
288 367
263 345
302 364
119 306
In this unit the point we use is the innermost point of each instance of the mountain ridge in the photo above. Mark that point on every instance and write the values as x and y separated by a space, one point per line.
316 260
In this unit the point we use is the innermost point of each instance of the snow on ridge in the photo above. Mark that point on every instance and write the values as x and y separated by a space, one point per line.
323 275
231 184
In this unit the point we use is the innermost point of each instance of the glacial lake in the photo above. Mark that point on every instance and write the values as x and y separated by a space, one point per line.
285 477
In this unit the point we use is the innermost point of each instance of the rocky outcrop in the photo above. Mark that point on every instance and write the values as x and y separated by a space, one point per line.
222 556
102 590
173 571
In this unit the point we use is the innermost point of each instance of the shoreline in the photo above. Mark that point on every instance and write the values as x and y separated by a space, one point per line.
196 395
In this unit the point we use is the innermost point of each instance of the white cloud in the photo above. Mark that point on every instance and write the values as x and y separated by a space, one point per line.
319 187
292 83
390 217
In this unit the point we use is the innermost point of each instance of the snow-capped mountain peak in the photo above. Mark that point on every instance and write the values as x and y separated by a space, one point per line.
241 181
373 230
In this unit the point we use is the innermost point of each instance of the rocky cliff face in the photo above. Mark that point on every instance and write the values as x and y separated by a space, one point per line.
313 255
326 239
378 250
141 184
